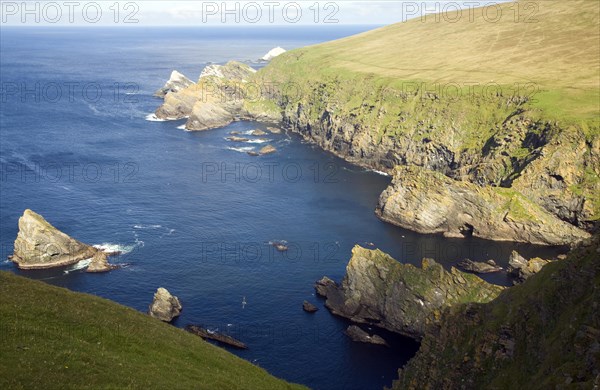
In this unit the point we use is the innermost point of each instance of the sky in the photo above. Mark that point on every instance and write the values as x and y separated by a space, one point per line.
222 13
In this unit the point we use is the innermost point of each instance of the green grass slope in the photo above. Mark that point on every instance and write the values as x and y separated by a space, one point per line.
553 44
53 338
544 334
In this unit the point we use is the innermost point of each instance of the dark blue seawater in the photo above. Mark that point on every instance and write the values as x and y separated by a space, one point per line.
190 213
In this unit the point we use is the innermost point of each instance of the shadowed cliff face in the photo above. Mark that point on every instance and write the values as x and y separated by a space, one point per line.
543 334
41 245
379 290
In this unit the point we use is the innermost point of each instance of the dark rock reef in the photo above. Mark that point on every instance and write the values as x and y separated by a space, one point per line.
215 336
478 267
360 336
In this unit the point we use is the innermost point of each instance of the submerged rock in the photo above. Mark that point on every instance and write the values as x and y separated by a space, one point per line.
176 83
216 336
380 291
309 307
522 269
237 139
100 263
479 267
40 245
274 130
430 202
267 150
359 335
165 306
257 132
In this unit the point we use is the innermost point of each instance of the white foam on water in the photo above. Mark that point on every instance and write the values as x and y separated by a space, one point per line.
379 172
182 127
153 118
108 247
147 226
77 266
259 141
242 150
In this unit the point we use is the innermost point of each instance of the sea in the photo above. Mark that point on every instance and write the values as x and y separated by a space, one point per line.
192 211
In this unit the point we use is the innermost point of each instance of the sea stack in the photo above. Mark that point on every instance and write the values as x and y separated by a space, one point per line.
40 245
165 306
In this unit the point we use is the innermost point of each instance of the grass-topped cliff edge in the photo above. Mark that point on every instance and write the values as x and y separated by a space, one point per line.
52 338
513 103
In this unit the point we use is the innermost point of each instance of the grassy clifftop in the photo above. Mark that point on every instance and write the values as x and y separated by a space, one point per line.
513 103
544 334
54 338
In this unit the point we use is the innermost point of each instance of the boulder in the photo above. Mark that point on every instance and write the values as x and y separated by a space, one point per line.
402 298
100 263
40 245
478 267
267 150
176 83
523 269
309 307
165 306
359 335
237 139
429 202
274 130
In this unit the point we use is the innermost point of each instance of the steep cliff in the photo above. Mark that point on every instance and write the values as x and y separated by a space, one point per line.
543 334
510 104
402 298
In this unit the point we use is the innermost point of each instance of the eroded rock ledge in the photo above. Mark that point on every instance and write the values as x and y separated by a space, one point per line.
430 202
380 291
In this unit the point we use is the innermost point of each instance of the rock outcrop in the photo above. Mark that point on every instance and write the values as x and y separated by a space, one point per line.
378 290
40 245
100 263
522 269
267 150
543 334
309 307
360 336
215 101
430 202
165 306
479 267
176 83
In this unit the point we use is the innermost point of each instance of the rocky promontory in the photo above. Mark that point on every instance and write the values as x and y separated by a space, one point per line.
380 291
40 245
430 202
217 99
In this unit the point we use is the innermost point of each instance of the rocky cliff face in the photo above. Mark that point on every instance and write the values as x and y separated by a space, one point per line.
40 245
379 290
544 334
430 202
